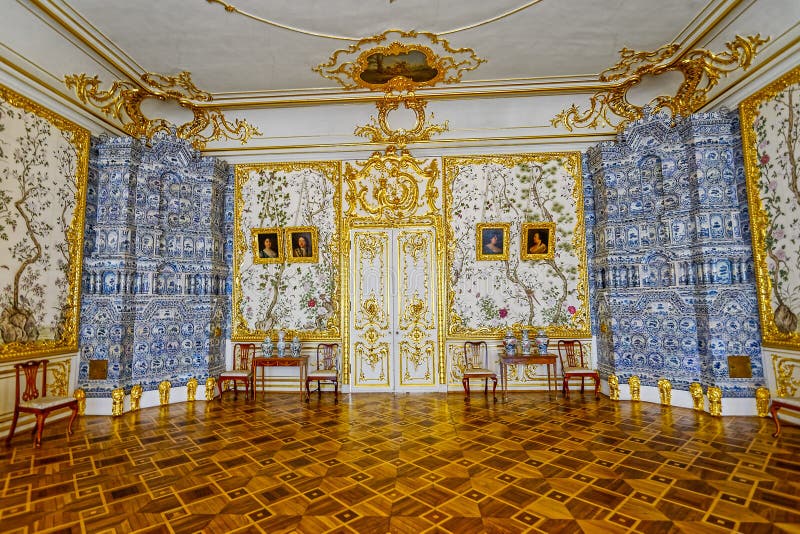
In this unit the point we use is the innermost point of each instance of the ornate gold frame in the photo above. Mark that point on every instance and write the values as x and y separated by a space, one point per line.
696 66
79 138
345 66
748 110
124 99
290 257
255 232
240 330
525 245
480 228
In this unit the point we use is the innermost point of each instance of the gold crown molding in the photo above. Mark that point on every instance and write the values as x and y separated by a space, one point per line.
442 62
701 72
124 99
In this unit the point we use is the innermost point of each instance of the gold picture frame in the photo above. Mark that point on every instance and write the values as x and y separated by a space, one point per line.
773 206
267 245
44 320
538 241
492 241
302 244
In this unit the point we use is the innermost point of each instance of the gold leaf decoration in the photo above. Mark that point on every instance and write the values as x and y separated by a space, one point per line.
123 101
701 70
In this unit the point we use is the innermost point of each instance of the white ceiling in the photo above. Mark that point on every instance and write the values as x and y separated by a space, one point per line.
231 53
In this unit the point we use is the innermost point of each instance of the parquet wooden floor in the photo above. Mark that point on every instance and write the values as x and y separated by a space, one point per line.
378 463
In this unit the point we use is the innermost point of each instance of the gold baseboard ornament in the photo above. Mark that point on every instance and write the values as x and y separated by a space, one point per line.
762 401
191 389
117 398
163 392
613 387
136 397
696 391
80 395
123 101
211 383
701 72
665 391
714 400
635 386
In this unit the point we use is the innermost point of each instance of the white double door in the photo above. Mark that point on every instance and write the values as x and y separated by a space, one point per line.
393 317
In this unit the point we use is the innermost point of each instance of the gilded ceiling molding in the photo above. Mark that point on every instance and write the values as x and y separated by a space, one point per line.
124 99
701 71
422 59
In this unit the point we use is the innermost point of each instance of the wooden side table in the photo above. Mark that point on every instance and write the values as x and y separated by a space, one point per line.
274 361
531 359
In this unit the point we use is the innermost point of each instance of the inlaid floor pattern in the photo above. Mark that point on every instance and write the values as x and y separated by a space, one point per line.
410 463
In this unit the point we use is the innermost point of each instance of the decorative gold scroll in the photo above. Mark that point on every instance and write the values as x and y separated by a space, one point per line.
701 71
123 101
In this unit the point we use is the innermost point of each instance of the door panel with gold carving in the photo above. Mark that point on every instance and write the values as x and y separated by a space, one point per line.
393 337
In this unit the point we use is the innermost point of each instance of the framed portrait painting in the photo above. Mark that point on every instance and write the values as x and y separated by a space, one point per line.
267 245
538 241
302 244
491 240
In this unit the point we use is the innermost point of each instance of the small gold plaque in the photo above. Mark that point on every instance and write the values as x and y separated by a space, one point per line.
739 367
98 369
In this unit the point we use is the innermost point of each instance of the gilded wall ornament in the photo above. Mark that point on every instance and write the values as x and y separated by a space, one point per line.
762 401
398 60
191 389
211 382
613 387
117 398
80 394
163 392
714 400
665 391
787 375
136 396
696 392
635 386
123 101
379 131
701 70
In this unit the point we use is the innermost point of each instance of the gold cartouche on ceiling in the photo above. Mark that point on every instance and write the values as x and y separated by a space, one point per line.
123 101
701 71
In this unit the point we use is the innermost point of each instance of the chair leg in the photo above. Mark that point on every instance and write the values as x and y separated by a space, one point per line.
465 382
582 385
219 387
71 419
597 387
565 388
13 427
336 391
40 417
773 410
485 386
494 388
308 389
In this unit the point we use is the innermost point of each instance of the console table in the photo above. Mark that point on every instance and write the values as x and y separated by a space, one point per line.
275 361
547 359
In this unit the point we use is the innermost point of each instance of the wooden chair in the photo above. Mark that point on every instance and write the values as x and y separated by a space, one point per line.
242 369
573 365
36 402
327 370
790 404
476 365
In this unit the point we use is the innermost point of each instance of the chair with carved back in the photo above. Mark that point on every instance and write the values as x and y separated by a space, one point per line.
476 366
574 365
327 370
37 402
242 369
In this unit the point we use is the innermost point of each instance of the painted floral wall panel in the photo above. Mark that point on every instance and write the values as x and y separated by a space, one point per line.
43 165
487 296
300 296
771 138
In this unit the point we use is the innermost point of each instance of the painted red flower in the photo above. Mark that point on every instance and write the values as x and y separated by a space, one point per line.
765 159
312 303
571 310
503 313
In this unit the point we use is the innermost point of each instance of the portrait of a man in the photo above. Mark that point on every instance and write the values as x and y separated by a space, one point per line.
537 240
301 244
